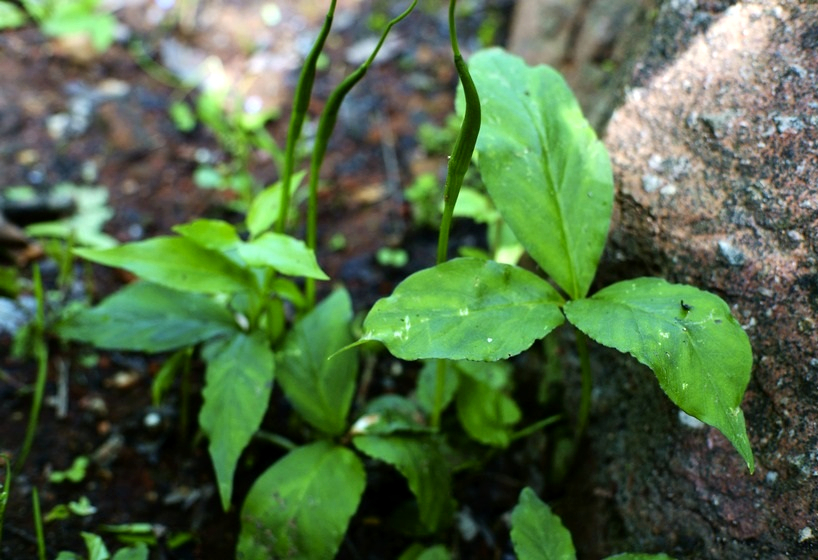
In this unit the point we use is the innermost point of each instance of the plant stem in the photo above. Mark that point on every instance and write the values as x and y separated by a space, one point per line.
40 352
38 523
587 383
535 427
440 387
464 144
5 493
184 405
275 439
303 90
458 165
326 124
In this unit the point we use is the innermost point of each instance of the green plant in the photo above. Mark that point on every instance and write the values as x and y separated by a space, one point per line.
96 550
35 343
538 534
560 211
5 490
239 129
59 18
231 296
235 293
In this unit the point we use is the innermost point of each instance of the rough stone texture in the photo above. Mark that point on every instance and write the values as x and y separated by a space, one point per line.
715 153
591 42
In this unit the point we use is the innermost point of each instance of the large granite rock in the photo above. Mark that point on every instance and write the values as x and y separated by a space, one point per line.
715 154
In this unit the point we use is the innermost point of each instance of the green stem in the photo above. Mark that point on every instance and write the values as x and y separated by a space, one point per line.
40 352
587 383
464 144
302 100
38 523
535 427
326 124
184 405
275 439
6 492
440 388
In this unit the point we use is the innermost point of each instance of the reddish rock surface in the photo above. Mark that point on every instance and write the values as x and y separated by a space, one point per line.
715 153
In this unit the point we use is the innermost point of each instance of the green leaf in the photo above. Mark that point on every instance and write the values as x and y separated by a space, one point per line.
486 413
176 262
82 507
419 552
285 254
238 383
494 374
543 166
321 389
465 308
698 351
100 27
427 382
389 414
421 462
537 533
11 16
182 116
75 473
301 506
96 547
150 318
210 234
138 551
638 556
265 207
84 226
163 381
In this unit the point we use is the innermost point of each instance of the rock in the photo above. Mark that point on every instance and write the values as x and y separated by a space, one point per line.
592 42
724 107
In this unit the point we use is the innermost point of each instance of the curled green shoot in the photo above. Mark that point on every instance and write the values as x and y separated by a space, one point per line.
463 145
458 165
326 124
303 91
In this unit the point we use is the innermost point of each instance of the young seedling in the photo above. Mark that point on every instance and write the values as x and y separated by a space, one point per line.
551 180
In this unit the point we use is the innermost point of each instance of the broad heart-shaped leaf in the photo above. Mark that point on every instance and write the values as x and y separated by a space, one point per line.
238 383
321 389
285 254
176 262
150 318
485 412
465 309
301 506
419 460
537 533
698 351
543 166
